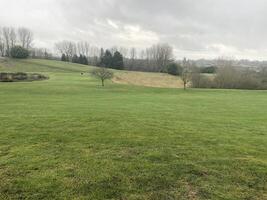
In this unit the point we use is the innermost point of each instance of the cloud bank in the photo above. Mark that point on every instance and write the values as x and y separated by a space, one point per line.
195 29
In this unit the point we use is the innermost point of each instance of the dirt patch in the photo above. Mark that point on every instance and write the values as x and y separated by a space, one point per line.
191 192
147 79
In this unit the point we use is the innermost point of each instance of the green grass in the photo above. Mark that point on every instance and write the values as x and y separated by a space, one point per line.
69 138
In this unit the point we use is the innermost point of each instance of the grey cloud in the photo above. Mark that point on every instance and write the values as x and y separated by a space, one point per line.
204 28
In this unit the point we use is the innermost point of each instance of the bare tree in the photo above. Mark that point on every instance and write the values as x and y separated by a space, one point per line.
142 54
163 55
155 58
9 37
133 53
66 47
7 40
41 53
25 37
158 57
225 62
13 37
94 53
123 51
2 44
132 58
83 48
186 73
103 74
226 73
113 49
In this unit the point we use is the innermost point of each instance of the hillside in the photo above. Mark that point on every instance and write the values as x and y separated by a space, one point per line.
121 77
39 65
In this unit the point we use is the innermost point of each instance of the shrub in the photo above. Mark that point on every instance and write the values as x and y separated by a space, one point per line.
174 69
20 76
6 77
35 77
209 70
19 52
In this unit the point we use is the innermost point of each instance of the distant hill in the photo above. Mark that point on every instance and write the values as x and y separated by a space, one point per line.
238 63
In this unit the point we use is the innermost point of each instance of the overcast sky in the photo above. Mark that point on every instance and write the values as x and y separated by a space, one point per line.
195 28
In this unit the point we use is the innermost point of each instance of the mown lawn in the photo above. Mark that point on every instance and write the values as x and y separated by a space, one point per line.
69 138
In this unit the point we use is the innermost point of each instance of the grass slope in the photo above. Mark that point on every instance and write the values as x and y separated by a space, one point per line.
38 65
69 138
122 77
159 80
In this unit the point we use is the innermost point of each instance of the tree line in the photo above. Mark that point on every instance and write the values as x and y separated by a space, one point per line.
18 43
106 59
153 59
75 59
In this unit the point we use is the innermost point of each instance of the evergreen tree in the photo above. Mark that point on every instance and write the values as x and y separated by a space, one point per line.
75 59
107 59
80 60
117 61
85 60
63 57
19 52
174 69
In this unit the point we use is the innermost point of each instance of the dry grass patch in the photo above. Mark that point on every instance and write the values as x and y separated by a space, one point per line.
159 80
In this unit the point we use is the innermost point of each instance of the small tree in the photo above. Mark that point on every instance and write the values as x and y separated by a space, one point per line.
19 52
103 74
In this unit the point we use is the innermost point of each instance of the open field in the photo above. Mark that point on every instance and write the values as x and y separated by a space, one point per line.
70 138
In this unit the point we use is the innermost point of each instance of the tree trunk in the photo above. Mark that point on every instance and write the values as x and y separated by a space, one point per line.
103 83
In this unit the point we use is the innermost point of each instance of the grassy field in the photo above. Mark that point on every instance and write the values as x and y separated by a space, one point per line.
69 138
